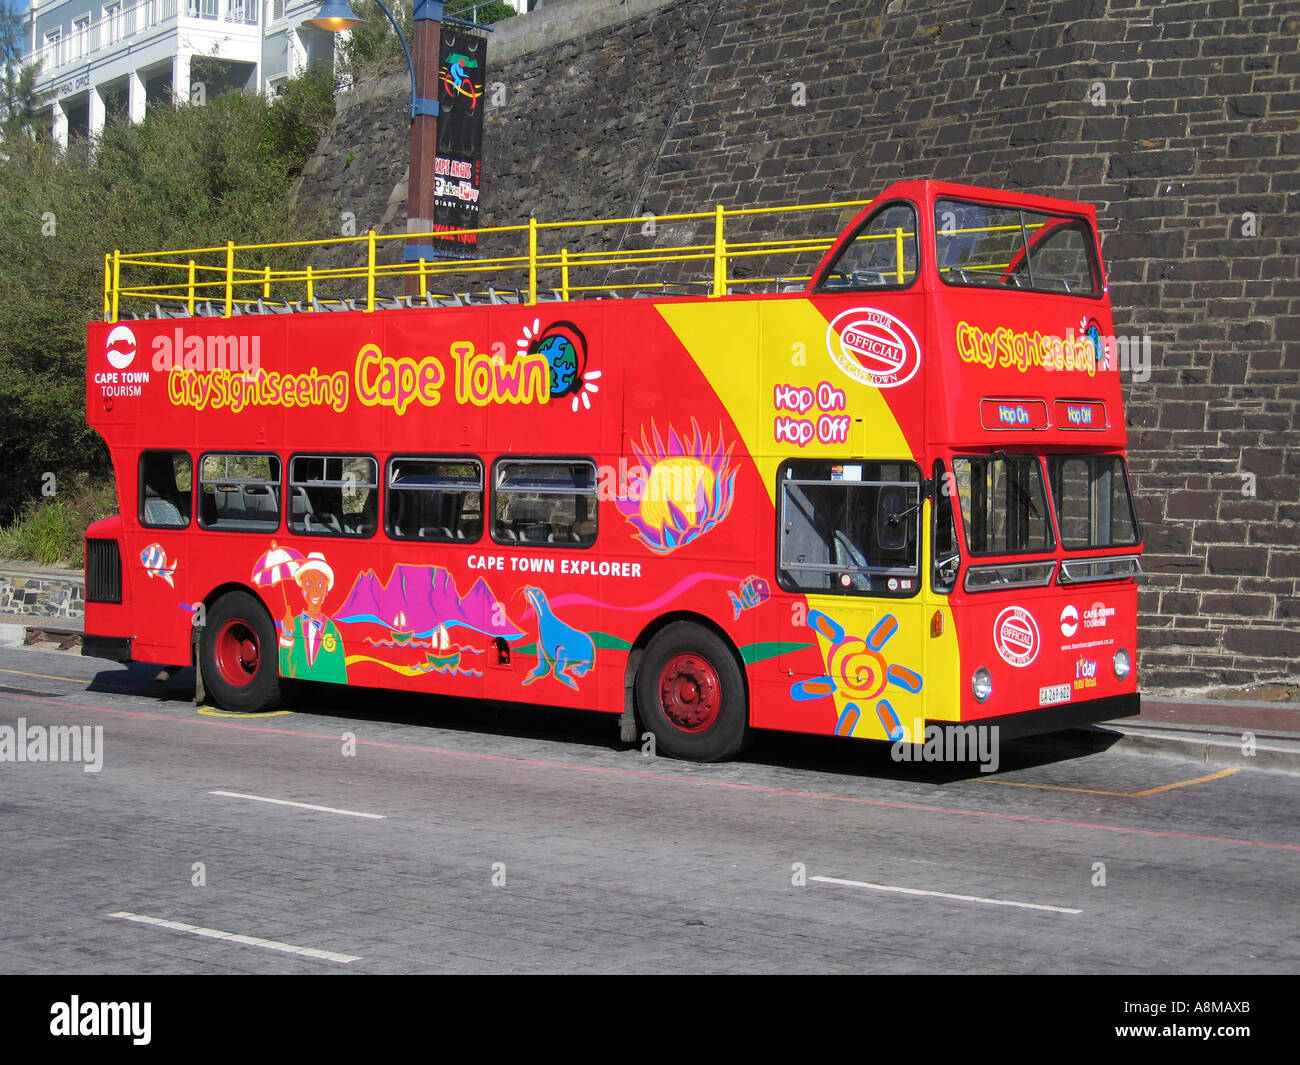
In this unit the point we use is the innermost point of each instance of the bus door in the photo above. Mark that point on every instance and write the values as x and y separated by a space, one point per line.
849 542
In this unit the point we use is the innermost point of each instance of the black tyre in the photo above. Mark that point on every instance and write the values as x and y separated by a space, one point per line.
690 693
239 654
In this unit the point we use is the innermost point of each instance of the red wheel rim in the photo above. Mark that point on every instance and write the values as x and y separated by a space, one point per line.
690 693
237 653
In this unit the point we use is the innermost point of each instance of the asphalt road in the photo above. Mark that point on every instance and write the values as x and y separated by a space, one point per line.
468 838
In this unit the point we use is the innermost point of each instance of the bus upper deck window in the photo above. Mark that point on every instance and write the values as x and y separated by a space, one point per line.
882 254
987 246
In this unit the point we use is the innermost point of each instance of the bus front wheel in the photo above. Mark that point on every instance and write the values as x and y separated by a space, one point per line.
238 649
691 694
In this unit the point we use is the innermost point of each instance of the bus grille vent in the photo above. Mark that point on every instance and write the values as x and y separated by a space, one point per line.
103 572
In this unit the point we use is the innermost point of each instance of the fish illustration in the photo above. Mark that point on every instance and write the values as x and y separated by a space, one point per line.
753 592
156 564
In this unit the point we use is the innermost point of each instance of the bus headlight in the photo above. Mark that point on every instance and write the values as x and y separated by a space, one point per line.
981 684
1121 663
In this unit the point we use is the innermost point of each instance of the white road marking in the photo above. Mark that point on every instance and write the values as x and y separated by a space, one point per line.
231 937
299 805
945 895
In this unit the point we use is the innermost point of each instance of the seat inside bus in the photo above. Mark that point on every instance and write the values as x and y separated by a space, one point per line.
239 507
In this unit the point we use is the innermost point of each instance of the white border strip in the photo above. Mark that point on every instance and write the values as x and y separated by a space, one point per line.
944 895
231 937
299 805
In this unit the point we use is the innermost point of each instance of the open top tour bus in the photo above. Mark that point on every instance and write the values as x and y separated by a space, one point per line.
891 496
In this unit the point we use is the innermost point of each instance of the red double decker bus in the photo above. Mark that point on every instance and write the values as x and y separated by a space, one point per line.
887 497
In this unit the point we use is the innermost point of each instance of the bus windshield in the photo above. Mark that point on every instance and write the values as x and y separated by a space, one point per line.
1003 504
977 244
1094 508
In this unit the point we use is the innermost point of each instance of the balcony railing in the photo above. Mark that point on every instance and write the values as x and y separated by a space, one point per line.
116 26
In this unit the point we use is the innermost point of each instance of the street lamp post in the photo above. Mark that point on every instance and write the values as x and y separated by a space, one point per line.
336 16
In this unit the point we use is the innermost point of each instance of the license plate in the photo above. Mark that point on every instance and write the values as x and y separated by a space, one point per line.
1057 693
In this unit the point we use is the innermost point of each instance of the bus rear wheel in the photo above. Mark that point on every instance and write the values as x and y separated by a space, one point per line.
239 656
691 694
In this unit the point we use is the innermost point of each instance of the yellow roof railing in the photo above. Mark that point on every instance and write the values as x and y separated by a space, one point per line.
229 275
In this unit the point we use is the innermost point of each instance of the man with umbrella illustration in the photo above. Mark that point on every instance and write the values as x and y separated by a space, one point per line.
310 645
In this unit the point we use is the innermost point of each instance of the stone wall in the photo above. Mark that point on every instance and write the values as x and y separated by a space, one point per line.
1179 121
42 593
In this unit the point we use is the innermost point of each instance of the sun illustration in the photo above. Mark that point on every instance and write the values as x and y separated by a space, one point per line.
686 488
858 668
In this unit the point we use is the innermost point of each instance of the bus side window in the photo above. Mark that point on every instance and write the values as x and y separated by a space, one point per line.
239 492
166 481
545 501
438 499
333 495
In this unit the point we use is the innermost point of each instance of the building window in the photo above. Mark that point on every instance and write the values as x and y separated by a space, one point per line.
80 35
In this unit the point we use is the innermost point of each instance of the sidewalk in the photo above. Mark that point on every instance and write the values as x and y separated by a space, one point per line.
1219 727
1211 728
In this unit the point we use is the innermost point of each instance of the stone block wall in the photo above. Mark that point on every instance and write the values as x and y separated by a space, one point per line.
1179 121
42 593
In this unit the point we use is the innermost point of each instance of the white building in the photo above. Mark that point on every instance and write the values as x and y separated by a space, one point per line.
100 56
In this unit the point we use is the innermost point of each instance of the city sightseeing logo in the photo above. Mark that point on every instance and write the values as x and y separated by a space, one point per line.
873 347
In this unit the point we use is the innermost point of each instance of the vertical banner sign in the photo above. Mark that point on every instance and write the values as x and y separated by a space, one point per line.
458 171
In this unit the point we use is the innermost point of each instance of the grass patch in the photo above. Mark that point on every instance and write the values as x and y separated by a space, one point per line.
48 531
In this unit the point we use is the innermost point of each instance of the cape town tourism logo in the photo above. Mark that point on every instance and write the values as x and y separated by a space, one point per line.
1015 634
120 347
873 347
1069 620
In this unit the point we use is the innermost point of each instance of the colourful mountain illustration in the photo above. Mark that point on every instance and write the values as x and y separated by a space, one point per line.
424 598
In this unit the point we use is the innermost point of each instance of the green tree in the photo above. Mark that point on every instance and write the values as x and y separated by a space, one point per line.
484 13
373 45
190 176
21 107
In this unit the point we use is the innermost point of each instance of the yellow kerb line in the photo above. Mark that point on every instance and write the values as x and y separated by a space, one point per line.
1114 794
